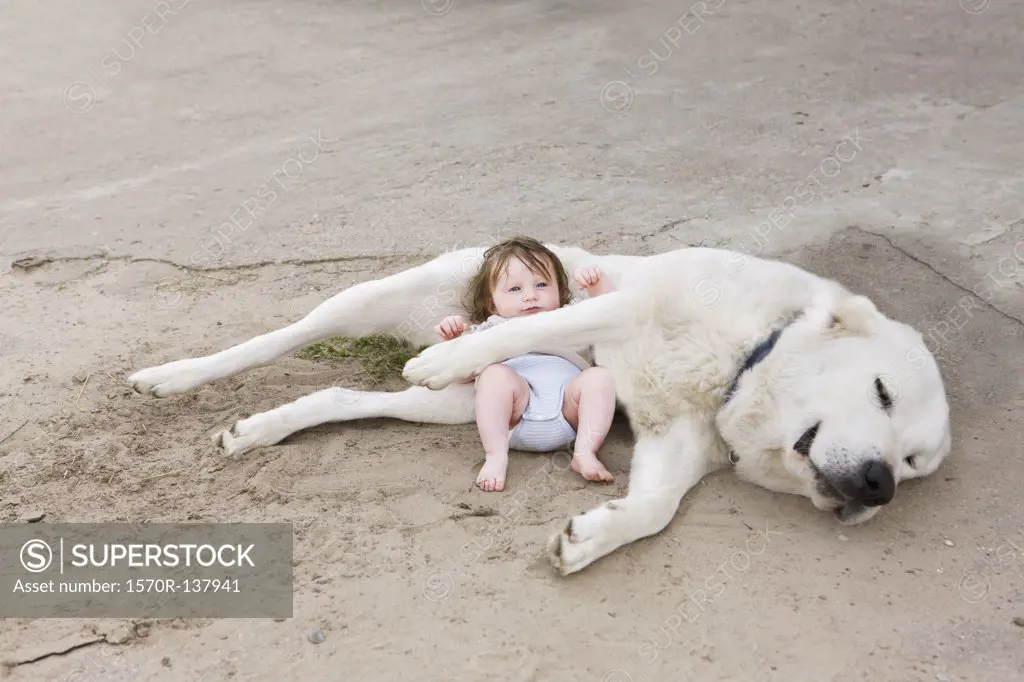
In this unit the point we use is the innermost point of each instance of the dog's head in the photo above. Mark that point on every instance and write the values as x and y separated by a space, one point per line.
850 400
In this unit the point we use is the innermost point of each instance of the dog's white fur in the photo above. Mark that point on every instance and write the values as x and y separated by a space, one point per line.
674 334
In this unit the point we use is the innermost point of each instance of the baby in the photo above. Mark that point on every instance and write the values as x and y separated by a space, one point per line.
534 402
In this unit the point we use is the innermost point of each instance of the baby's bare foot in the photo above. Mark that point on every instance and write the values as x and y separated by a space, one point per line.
589 467
492 474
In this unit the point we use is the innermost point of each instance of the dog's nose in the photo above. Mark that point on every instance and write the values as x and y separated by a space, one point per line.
875 483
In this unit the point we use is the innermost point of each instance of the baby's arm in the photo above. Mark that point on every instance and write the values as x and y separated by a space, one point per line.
592 279
451 327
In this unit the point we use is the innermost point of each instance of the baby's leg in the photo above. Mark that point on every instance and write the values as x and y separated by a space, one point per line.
589 407
501 398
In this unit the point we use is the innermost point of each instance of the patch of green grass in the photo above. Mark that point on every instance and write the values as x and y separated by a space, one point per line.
381 356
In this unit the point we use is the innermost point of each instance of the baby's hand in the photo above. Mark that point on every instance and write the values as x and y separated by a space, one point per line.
588 276
451 327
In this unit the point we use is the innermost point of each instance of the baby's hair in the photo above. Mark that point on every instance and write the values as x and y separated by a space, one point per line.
539 259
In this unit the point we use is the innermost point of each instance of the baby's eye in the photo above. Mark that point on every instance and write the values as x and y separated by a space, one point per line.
514 289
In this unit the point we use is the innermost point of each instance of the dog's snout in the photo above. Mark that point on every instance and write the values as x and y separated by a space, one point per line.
875 483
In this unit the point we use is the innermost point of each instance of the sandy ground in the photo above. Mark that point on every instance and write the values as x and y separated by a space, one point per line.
883 138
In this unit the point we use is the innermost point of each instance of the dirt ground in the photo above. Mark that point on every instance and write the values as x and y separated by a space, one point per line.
884 140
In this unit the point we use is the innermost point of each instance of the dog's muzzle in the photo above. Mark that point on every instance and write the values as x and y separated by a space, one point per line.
872 484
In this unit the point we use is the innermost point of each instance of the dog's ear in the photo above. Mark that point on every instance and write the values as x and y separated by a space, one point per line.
855 315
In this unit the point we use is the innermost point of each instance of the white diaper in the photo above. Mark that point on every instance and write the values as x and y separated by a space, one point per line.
542 427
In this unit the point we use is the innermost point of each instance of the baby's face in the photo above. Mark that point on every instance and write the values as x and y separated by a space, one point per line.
521 292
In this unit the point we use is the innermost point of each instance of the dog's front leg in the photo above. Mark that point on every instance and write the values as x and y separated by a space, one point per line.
604 319
407 304
662 470
453 405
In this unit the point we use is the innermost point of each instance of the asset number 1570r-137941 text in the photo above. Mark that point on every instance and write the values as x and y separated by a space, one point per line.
187 585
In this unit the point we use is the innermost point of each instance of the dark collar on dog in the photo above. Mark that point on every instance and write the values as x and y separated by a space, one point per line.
756 355
759 353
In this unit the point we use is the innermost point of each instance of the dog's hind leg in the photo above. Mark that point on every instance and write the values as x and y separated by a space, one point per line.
452 405
662 470
407 304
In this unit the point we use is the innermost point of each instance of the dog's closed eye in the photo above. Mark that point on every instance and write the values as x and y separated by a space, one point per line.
911 461
883 395
804 443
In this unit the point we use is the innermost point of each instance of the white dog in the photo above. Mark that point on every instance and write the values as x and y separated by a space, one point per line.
720 359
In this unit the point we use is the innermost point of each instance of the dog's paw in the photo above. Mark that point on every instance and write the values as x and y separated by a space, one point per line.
245 435
435 367
230 443
584 540
168 379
